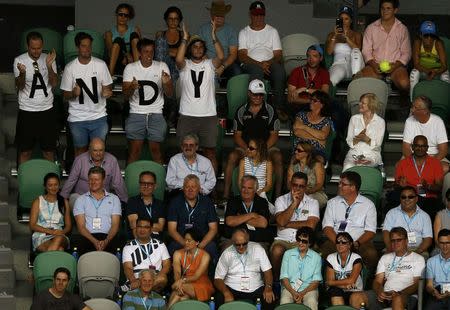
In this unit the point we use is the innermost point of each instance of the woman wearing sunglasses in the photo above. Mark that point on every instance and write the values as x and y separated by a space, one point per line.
121 41
428 55
303 161
256 163
365 134
190 271
343 271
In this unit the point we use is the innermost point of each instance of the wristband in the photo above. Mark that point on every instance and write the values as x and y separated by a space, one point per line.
184 41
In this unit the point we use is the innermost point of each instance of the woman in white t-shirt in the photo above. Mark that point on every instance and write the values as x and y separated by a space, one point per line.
343 274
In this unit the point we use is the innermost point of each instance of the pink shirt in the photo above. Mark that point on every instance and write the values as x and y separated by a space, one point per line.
391 46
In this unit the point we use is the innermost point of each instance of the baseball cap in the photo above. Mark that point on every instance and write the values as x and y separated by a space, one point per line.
428 27
315 47
257 8
257 87
347 10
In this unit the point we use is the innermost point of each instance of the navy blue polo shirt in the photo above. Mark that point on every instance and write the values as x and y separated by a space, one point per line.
155 211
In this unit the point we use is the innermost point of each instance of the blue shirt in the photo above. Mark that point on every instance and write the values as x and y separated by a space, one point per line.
201 215
133 301
420 223
308 269
92 208
438 269
226 35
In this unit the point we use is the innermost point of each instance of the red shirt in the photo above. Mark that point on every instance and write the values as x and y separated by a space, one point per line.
297 78
432 172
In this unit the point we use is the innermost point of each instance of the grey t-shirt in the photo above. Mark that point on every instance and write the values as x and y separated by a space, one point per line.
46 301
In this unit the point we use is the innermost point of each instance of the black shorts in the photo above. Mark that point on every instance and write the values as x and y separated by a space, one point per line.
36 127
334 291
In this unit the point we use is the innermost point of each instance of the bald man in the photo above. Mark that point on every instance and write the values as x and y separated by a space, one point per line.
77 183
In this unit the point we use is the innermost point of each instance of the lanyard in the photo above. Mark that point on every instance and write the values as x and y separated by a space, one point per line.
190 213
243 261
189 166
145 305
96 203
395 265
249 210
444 270
419 173
342 269
252 166
148 208
50 213
186 268
408 220
144 248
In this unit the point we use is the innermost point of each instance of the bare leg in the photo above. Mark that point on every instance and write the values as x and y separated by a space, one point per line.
233 160
80 150
337 301
368 71
399 302
160 282
155 150
277 161
134 50
24 156
134 150
276 256
115 51
49 155
56 243
174 298
400 79
356 299
210 153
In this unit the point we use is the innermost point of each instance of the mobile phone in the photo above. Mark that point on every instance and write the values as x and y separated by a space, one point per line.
339 23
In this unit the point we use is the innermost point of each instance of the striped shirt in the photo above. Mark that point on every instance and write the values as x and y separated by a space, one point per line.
259 171
133 300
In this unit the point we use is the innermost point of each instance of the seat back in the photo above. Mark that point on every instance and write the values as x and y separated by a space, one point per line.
52 40
190 305
439 93
360 86
294 49
237 88
237 305
45 265
292 307
342 307
446 42
133 170
371 182
102 304
30 176
98 274
71 51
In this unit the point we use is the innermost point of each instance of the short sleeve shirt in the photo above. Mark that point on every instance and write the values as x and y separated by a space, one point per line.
149 98
103 209
308 269
438 269
340 273
44 300
260 44
37 94
155 211
297 78
90 105
235 207
258 126
199 217
226 35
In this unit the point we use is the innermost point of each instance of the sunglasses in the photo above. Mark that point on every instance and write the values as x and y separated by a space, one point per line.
299 151
251 148
144 227
123 15
397 240
36 67
408 197
342 242
301 240
257 95
241 245
146 184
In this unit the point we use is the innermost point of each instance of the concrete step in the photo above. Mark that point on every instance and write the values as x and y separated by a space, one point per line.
7 301
7 280
24 295
6 258
5 233
4 210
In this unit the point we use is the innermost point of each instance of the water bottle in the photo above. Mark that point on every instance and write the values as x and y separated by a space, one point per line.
75 254
119 255
212 304
258 303
164 300
383 173
119 301
70 28
363 306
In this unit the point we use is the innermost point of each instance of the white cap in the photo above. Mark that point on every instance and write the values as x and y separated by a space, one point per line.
257 87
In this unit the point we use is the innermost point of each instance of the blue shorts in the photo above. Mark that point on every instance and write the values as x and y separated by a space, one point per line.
141 126
83 132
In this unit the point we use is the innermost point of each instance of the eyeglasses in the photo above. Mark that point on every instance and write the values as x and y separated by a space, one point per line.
241 245
146 184
299 151
397 240
144 227
298 185
423 146
36 67
444 242
342 242
344 184
408 197
123 15
302 240
251 148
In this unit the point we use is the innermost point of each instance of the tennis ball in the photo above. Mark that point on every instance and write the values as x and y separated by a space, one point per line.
385 66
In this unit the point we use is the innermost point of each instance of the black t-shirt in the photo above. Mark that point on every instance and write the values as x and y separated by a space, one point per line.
46 301
260 206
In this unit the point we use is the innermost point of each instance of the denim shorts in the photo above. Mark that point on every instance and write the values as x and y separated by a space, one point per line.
85 131
141 126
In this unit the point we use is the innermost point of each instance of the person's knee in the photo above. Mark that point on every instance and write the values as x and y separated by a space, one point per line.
234 157
276 158
134 37
277 251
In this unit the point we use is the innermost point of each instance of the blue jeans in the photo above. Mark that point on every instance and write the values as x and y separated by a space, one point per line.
85 131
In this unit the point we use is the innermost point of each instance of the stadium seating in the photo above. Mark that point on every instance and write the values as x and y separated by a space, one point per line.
294 49
292 307
133 170
340 308
98 274
71 51
360 86
102 304
45 265
439 93
371 182
52 40
237 305
189 305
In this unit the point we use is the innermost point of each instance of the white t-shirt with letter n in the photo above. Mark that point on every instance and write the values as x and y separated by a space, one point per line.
149 97
90 105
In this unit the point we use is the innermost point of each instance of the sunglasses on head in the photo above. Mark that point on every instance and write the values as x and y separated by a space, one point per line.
123 15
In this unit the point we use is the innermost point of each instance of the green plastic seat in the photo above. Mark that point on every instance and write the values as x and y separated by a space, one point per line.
102 304
133 170
52 40
363 85
439 93
45 265
31 180
237 305
329 144
292 307
340 308
371 182
190 305
446 46
70 49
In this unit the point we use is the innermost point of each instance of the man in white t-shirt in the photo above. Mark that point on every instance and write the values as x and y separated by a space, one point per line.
143 253
292 211
35 74
86 83
145 82
397 277
260 52
198 103
244 272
